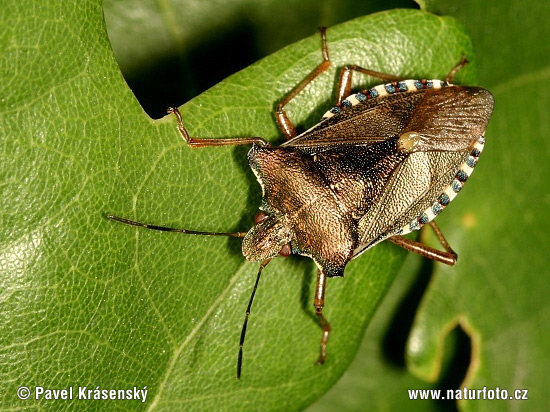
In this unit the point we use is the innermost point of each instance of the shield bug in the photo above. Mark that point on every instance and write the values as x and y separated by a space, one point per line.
381 163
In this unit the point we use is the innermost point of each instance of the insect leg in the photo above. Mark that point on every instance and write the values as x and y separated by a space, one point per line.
344 81
286 126
201 142
463 62
319 303
172 229
449 257
245 323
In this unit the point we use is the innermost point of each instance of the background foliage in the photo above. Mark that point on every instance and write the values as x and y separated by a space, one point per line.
88 302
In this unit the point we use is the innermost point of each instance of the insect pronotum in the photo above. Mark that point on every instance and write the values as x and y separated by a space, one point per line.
381 163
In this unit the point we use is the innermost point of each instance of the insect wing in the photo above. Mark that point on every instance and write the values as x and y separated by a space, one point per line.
364 123
448 127
389 110
450 119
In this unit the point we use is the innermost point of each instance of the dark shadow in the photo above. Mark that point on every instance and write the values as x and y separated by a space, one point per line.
306 297
398 332
221 51
253 195
175 79
457 357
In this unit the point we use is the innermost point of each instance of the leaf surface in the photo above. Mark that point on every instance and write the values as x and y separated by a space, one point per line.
87 302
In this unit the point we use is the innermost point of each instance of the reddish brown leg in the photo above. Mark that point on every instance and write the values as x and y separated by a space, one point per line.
344 81
319 303
463 62
201 142
283 121
448 257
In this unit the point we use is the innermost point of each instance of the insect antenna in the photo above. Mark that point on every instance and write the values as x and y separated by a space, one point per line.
173 229
243 331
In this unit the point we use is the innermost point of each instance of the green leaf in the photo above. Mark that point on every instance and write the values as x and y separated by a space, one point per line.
498 292
88 302
426 5
177 39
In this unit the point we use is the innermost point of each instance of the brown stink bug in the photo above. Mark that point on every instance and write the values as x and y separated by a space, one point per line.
381 163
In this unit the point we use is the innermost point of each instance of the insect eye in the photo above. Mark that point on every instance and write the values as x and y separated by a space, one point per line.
285 250
260 217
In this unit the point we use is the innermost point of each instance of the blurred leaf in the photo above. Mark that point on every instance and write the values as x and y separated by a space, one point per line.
86 301
498 292
196 44
427 5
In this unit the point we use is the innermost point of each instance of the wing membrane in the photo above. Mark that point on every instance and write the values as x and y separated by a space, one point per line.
449 119
366 123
